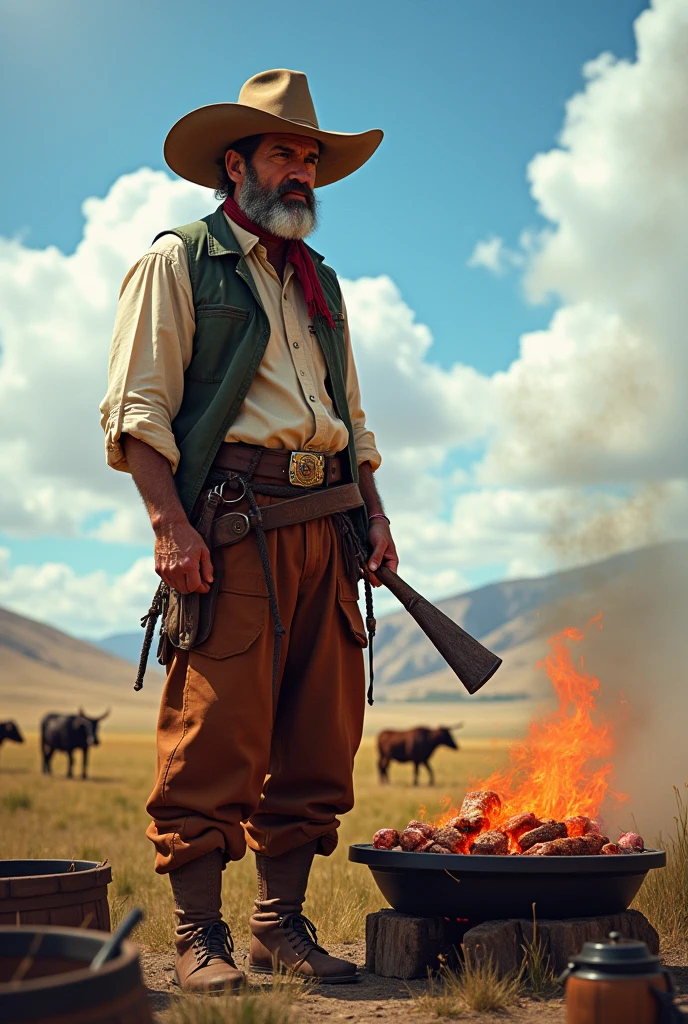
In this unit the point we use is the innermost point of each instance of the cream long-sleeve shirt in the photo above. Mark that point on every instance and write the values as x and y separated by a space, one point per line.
287 405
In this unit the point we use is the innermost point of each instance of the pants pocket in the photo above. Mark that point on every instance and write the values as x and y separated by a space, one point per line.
240 615
347 597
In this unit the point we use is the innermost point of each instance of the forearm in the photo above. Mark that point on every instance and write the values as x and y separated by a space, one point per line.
153 477
383 551
368 488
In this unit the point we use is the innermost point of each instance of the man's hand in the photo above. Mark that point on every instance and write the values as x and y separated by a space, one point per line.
182 559
384 551
379 533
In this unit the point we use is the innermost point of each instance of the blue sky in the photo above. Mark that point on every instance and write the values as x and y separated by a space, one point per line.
468 94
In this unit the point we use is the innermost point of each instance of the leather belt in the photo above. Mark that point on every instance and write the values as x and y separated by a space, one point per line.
300 469
233 527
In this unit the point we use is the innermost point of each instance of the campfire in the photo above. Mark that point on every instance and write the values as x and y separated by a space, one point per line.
549 800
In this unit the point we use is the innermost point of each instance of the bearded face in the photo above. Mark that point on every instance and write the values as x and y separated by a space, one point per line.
269 209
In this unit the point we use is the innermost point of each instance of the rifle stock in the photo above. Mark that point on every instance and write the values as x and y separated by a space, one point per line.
469 660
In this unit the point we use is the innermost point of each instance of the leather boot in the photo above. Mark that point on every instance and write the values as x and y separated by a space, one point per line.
204 944
280 934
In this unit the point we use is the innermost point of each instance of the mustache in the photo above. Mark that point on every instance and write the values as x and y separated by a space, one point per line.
296 186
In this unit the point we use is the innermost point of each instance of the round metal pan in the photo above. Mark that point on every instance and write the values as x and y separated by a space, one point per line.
486 888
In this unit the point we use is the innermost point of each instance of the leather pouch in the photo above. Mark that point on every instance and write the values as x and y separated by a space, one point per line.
188 619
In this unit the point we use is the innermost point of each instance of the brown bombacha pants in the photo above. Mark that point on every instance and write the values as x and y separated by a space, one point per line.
234 766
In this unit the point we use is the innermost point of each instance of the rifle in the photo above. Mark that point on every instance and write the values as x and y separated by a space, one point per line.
466 657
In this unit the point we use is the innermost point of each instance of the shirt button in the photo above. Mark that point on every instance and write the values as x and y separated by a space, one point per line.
312 398
296 344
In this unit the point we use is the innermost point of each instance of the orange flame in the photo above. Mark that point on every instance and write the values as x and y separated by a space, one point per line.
562 768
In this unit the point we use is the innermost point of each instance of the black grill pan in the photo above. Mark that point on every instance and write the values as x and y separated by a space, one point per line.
487 888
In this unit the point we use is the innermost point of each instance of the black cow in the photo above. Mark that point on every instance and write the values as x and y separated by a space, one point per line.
69 733
416 745
10 731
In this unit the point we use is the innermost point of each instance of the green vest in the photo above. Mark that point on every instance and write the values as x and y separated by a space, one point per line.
232 332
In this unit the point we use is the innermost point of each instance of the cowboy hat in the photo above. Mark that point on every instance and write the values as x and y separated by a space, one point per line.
272 101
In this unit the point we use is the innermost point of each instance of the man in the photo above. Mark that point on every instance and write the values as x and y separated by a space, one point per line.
232 391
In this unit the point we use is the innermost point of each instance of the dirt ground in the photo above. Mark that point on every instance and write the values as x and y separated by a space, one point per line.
373 999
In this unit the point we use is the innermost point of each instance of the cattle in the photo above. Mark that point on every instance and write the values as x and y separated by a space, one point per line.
69 733
416 745
10 731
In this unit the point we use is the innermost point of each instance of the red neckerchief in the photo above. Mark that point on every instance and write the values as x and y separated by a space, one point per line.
299 257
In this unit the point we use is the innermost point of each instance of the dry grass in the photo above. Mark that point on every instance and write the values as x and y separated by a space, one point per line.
273 1004
104 817
536 969
664 895
476 987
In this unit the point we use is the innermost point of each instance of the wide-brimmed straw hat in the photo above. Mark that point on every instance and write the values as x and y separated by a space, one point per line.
272 101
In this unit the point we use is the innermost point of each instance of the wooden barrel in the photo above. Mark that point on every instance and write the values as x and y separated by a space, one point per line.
44 979
65 893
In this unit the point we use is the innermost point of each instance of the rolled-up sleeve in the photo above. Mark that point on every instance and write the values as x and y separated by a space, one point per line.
364 439
151 348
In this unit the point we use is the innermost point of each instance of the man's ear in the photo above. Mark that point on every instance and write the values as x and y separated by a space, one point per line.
235 166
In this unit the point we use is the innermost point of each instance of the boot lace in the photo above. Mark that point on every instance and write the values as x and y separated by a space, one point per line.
303 936
214 942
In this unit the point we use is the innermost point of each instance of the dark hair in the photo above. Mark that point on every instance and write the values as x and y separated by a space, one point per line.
246 148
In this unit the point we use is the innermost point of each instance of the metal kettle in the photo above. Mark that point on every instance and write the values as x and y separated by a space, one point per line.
618 981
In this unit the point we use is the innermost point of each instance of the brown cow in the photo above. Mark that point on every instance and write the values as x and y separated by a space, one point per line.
416 745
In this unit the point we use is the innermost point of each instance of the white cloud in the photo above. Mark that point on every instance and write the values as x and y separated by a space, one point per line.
56 315
493 255
410 401
614 358
90 605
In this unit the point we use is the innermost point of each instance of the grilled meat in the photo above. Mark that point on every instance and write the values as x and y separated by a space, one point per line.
386 839
453 841
425 827
569 846
470 824
545 833
491 844
521 823
610 848
631 842
411 839
484 800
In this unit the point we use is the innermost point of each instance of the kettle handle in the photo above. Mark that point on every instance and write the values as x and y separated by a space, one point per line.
565 974
669 1013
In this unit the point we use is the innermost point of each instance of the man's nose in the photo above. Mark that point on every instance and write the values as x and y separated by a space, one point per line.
302 174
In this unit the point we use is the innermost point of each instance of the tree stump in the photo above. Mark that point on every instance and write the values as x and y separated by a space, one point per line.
403 946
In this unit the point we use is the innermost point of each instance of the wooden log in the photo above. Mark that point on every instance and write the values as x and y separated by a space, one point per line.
404 946
503 941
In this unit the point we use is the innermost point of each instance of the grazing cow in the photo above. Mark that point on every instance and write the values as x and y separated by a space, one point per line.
69 733
416 745
10 731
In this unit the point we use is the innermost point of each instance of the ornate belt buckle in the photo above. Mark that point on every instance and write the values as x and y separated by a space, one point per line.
306 469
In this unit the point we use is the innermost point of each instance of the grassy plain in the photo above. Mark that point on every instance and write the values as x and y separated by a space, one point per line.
104 817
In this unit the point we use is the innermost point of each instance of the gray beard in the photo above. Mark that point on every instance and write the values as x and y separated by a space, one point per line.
286 219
